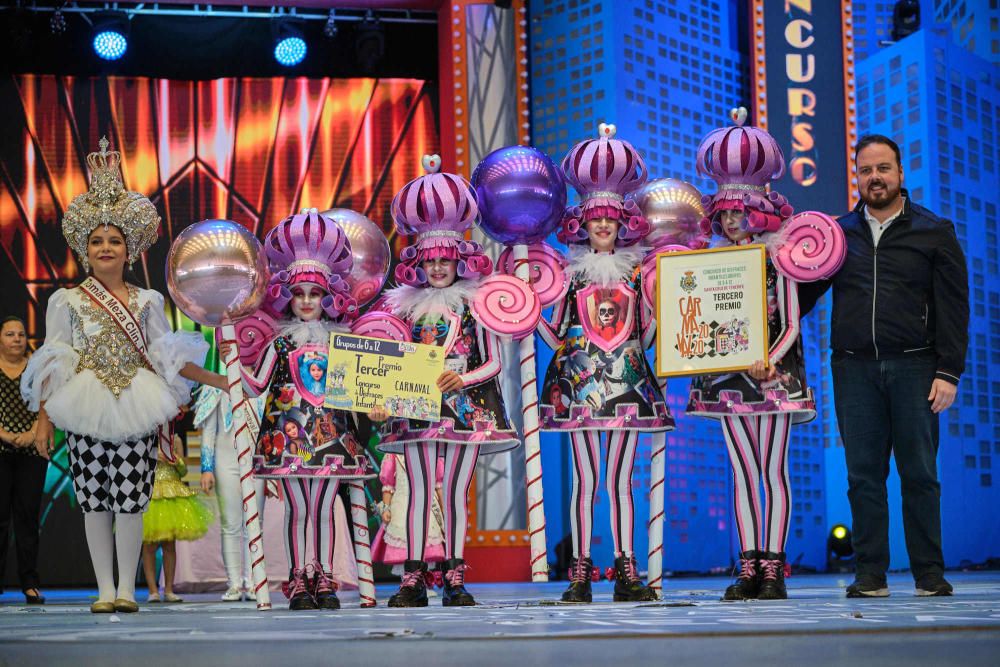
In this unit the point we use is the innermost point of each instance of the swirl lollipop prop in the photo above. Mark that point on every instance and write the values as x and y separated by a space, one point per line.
507 306
547 271
811 246
522 196
217 274
379 324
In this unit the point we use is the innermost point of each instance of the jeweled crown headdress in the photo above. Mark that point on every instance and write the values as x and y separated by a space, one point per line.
107 202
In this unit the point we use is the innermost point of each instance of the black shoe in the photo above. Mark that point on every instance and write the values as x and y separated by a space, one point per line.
455 594
933 584
296 589
628 586
747 584
868 586
579 581
33 598
324 590
413 592
772 568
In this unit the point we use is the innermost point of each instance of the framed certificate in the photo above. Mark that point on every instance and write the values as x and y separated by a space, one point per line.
711 310
364 373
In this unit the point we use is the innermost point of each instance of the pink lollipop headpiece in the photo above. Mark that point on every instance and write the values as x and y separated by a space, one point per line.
308 248
439 208
743 161
603 171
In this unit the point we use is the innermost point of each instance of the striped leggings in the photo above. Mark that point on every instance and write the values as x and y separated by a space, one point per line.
586 472
758 450
459 464
305 499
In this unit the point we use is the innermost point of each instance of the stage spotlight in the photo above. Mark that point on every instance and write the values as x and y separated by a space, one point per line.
57 24
111 31
905 18
289 42
330 29
839 552
369 42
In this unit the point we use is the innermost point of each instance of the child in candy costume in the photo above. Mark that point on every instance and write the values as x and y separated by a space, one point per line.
599 379
389 546
308 447
110 373
176 512
440 278
756 408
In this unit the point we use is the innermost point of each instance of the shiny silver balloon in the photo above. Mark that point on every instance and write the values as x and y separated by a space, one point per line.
673 209
216 272
371 253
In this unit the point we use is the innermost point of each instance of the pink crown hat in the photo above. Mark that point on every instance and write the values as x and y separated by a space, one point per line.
309 248
439 208
603 171
743 161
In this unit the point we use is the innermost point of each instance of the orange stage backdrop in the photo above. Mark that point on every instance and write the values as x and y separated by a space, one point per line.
250 150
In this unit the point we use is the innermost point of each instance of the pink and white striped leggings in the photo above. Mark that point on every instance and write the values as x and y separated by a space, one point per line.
459 464
758 451
305 499
586 472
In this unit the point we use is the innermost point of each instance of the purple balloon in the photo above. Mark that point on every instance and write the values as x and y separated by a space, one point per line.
216 272
522 195
371 253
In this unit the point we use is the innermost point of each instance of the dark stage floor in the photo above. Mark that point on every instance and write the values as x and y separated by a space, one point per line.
521 624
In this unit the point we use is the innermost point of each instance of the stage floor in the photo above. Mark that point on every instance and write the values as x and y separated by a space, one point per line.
523 624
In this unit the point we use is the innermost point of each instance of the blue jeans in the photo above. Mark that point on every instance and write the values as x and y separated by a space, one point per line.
882 408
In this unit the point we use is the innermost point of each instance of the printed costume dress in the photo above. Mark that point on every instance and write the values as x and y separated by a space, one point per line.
735 394
473 415
599 378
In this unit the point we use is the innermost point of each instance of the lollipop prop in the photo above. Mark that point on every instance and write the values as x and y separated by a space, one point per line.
217 274
811 247
521 197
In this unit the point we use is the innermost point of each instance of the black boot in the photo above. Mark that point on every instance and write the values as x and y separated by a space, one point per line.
296 589
579 581
628 586
413 592
772 566
324 590
455 594
747 583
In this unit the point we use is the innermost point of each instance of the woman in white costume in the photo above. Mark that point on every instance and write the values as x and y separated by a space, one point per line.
110 373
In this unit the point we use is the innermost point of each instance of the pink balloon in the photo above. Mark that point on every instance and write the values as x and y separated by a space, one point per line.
216 272
371 253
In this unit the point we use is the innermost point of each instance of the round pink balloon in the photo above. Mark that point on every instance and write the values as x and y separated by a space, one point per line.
216 272
371 253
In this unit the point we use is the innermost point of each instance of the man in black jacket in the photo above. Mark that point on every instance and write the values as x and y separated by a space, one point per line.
899 333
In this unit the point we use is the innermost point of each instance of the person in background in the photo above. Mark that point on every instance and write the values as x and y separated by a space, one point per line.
22 470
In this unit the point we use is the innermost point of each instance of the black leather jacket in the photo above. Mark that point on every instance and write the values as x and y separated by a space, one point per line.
907 296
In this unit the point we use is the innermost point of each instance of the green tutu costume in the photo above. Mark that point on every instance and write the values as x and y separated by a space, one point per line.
176 512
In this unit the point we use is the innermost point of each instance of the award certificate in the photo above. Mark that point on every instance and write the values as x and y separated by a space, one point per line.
364 373
711 310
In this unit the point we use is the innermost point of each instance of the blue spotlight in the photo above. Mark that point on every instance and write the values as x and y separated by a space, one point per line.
111 30
110 44
290 51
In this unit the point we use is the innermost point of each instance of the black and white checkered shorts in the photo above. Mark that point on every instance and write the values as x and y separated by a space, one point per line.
112 476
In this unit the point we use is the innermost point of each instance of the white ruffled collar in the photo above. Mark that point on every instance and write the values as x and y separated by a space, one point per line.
603 268
412 303
316 332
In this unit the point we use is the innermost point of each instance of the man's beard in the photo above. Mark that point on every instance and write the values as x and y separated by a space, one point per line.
886 199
